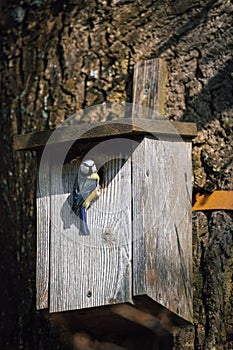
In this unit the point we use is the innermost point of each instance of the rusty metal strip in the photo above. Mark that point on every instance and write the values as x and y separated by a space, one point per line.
216 200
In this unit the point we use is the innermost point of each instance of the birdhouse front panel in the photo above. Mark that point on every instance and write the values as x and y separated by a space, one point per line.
93 269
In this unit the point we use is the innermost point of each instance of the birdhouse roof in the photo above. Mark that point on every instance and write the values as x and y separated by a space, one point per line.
82 132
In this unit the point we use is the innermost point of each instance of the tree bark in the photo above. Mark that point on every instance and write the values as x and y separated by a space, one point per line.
58 57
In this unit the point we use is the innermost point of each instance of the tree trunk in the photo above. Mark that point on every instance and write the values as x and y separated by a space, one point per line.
58 57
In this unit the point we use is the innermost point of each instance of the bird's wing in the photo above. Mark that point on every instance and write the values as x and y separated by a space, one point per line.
81 196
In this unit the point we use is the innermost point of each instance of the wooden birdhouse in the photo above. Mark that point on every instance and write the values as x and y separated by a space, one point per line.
130 265
139 247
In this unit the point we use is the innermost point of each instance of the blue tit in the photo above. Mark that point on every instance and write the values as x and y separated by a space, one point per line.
86 189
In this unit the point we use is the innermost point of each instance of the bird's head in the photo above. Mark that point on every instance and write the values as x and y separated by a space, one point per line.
88 167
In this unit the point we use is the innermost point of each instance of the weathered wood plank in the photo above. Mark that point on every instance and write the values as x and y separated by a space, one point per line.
149 83
82 132
95 270
162 249
43 234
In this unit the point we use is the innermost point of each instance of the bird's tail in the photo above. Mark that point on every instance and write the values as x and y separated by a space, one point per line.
84 230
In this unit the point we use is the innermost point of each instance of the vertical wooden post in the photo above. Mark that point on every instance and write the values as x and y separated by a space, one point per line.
149 87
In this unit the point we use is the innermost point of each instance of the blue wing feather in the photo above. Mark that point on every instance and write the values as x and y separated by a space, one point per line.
81 196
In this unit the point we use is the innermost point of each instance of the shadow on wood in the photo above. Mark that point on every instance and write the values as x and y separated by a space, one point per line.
130 327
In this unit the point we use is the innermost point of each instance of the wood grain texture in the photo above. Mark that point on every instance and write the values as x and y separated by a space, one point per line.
95 270
83 132
43 234
162 250
149 88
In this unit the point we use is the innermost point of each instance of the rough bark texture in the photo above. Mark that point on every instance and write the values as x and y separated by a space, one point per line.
58 57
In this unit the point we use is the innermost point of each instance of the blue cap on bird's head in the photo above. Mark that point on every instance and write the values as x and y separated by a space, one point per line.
88 167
